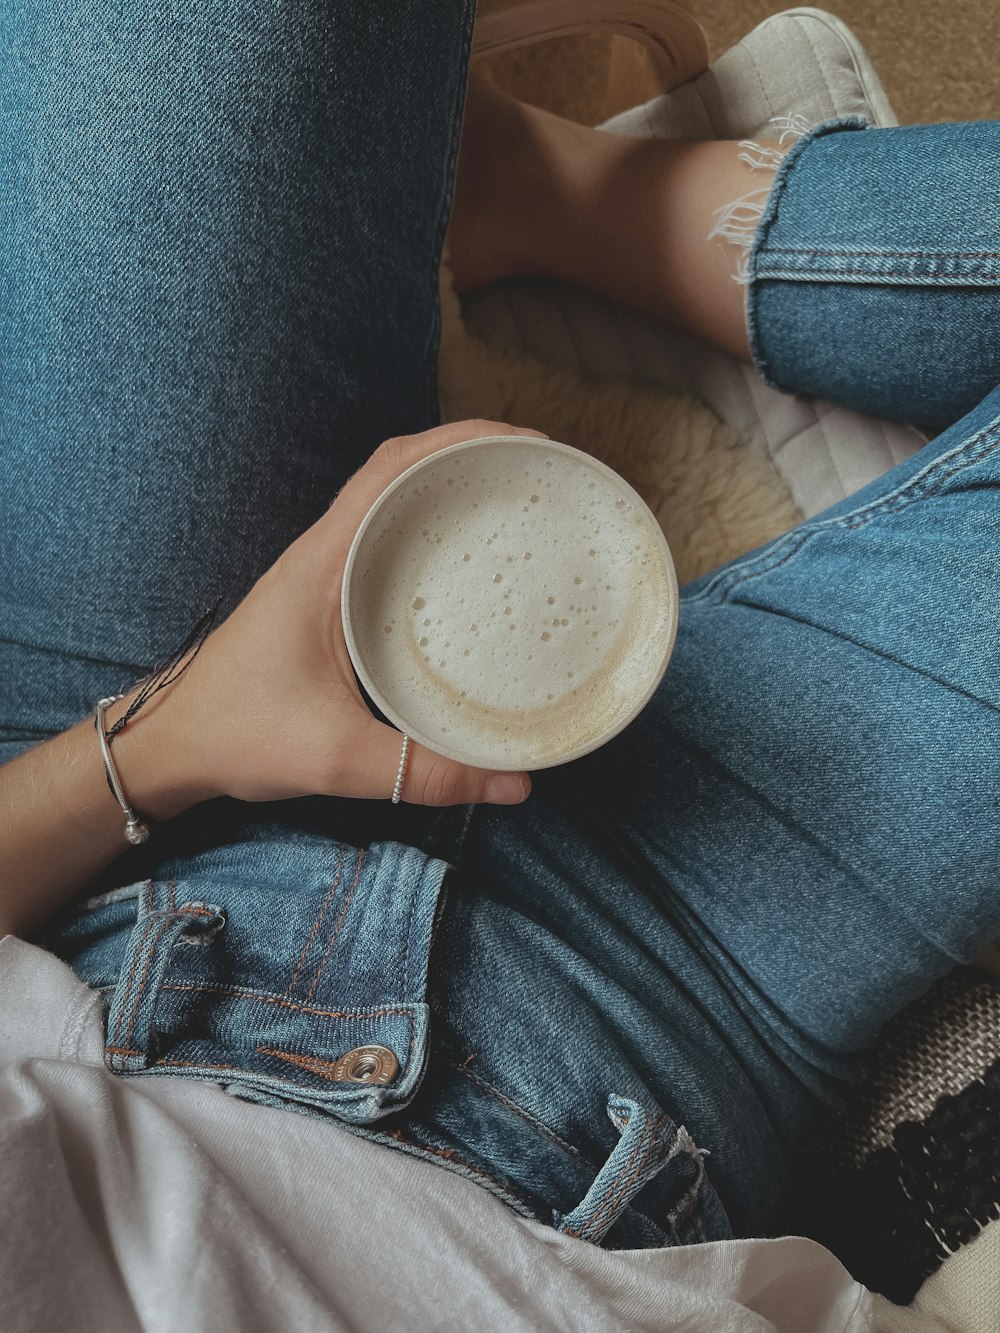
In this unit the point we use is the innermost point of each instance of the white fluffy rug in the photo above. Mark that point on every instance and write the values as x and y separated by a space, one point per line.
714 497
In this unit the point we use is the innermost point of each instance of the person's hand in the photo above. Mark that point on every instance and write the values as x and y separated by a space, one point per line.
269 708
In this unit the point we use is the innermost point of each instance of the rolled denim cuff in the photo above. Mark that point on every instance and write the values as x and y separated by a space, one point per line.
757 264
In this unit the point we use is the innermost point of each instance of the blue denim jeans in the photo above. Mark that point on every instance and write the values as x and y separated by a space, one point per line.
898 265
627 1006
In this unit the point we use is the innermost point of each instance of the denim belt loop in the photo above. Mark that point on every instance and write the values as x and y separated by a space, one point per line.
154 937
649 1141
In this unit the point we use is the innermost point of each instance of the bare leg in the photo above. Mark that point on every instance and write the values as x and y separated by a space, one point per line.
630 218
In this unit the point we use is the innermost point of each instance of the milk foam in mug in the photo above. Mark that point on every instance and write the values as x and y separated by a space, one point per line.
510 603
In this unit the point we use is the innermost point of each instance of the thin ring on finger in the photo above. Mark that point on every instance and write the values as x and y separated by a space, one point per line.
404 759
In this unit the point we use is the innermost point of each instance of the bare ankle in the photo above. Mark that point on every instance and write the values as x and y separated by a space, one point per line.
660 225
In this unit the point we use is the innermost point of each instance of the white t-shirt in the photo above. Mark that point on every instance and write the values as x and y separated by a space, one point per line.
156 1203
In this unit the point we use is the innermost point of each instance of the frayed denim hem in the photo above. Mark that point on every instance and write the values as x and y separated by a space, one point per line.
768 216
737 221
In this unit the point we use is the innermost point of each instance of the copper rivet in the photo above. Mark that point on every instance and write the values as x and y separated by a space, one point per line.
367 1064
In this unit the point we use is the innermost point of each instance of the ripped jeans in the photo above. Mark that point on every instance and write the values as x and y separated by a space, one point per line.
626 1006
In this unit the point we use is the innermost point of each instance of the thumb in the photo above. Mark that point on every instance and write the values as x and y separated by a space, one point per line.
431 779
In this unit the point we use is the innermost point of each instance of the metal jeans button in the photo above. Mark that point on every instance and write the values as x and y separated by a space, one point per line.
367 1064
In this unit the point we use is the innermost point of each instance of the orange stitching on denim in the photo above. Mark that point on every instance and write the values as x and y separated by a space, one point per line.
646 1149
319 918
171 897
311 1063
777 273
405 987
413 1041
287 1004
194 1064
121 1050
640 1158
684 1210
687 1208
135 960
336 931
636 1159
544 1130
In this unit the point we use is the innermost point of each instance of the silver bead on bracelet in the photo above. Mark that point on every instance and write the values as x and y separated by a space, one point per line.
135 830
397 791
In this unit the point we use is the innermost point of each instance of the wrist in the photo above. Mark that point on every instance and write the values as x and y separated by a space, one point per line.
155 760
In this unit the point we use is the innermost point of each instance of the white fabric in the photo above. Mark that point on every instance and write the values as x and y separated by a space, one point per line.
800 63
164 1204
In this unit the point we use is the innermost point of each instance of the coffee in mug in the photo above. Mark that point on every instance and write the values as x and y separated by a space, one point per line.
510 603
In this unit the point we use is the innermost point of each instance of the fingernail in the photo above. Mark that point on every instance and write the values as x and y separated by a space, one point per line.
505 789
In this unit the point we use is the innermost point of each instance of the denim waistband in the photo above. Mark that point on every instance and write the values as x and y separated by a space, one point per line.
295 971
269 968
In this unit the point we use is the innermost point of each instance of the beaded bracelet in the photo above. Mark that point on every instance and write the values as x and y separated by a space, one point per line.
397 790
